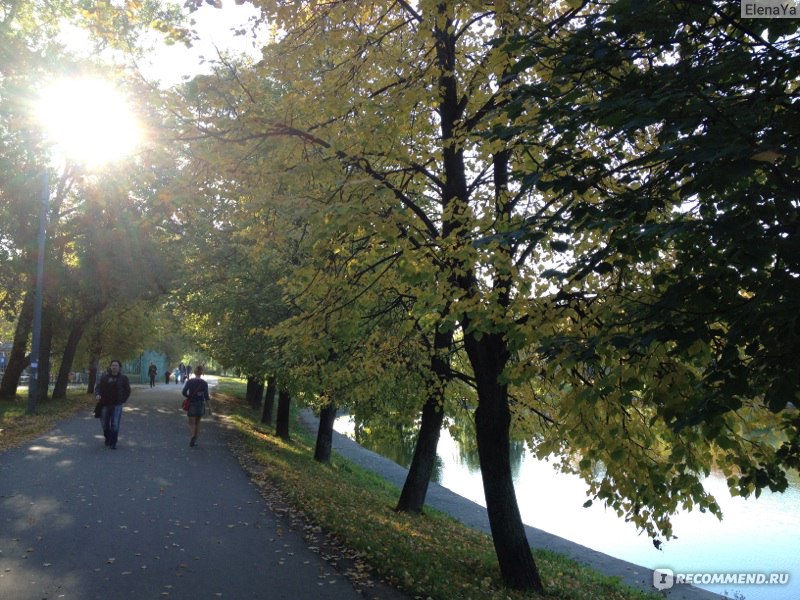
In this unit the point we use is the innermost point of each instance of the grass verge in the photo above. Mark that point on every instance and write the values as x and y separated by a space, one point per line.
431 556
17 427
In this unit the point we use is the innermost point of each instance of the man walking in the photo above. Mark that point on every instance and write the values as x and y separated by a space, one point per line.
112 392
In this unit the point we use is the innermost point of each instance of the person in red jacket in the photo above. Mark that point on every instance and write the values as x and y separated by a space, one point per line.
112 392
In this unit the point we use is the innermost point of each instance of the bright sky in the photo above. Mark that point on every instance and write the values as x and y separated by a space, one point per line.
89 121
215 28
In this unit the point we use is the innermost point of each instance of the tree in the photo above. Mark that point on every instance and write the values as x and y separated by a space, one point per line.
262 234
681 169
654 337
353 341
504 166
102 252
31 53
425 79
269 401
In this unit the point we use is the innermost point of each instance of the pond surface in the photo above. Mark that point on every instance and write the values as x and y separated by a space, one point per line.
755 536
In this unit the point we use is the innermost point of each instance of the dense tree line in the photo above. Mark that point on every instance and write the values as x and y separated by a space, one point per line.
577 221
105 255
550 196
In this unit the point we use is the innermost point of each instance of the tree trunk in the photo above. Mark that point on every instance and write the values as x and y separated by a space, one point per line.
71 347
93 368
18 360
269 401
248 394
488 356
45 350
415 488
282 420
322 450
258 393
255 389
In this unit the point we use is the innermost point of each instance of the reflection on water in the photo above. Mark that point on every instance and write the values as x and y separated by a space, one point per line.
755 536
396 444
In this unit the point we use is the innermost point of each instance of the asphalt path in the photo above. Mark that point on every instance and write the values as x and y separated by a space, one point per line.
152 519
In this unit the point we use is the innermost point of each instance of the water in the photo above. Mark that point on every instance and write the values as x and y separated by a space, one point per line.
756 535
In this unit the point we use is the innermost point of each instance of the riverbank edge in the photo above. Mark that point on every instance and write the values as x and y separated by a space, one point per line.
474 515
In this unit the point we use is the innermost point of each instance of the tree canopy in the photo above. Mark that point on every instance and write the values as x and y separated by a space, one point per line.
584 212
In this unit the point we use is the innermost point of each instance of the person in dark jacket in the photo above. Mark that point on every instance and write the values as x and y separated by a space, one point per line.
112 392
196 390
152 371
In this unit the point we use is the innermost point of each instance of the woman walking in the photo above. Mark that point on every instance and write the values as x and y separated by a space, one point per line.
196 391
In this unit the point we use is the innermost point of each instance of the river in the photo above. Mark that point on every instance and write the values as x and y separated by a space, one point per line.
755 536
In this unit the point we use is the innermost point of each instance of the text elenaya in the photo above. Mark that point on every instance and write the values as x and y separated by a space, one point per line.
784 9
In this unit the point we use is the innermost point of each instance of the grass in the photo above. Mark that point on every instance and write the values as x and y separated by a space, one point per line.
17 427
430 556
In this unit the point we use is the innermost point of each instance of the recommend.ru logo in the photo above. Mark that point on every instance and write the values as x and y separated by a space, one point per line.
664 579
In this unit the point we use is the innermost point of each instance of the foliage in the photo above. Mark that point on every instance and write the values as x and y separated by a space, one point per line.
101 246
669 142
226 237
427 197
635 348
597 200
273 228
374 357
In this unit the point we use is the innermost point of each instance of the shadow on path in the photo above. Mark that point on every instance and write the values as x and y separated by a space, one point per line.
152 519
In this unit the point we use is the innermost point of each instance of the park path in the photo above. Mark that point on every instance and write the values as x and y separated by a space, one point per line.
158 519
153 519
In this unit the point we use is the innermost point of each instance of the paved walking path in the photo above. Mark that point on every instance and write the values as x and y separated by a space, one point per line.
158 519
153 519
474 515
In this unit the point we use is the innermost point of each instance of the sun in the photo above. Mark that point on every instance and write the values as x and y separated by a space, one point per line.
88 121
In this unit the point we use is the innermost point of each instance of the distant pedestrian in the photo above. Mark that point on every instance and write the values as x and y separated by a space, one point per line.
177 374
167 373
196 390
112 392
152 371
183 373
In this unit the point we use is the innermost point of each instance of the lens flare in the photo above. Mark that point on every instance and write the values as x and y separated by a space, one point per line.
88 120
